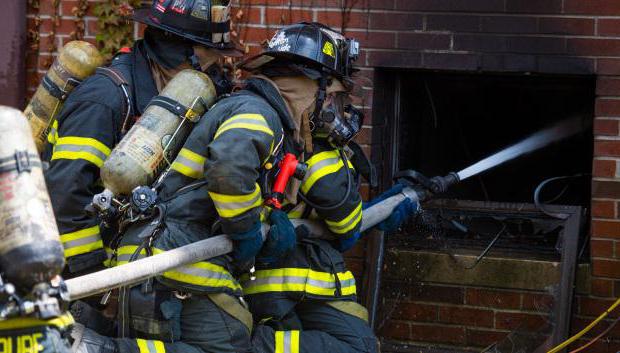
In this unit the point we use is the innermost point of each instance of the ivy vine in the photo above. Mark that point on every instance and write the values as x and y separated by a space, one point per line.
114 30
79 11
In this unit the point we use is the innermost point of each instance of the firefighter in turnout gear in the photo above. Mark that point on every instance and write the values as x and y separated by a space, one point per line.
304 299
101 110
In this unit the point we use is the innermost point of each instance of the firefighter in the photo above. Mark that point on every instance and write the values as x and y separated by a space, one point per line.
101 109
305 300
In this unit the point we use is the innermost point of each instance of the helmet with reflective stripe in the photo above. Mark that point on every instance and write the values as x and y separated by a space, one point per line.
312 44
206 22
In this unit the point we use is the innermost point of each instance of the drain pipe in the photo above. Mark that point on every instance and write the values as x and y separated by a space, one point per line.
12 56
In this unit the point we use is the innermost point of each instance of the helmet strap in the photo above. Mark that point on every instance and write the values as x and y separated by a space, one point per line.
321 95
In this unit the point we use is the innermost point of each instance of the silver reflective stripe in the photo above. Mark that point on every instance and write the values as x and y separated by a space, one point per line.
82 241
151 345
353 219
320 165
237 205
347 283
199 168
287 342
245 121
80 148
278 280
201 272
127 257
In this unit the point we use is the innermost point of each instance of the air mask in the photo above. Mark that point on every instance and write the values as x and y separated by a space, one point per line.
338 122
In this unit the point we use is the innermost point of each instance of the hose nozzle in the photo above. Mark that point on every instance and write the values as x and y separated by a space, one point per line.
442 184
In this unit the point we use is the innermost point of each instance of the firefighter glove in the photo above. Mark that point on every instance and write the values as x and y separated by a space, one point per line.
247 244
344 245
401 213
281 238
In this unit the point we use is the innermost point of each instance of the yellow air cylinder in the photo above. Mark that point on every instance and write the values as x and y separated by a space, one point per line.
76 61
139 157
30 248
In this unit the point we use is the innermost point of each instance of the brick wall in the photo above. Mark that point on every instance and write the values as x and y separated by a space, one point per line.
552 36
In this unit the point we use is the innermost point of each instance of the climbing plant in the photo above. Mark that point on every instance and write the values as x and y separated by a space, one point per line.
114 30
79 11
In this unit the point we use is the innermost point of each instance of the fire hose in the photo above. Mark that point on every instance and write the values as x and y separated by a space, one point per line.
140 270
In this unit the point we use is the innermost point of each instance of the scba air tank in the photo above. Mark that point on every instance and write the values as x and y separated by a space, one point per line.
76 61
30 248
155 140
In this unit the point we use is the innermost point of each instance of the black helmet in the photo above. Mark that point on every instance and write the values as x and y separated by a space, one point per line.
191 19
311 44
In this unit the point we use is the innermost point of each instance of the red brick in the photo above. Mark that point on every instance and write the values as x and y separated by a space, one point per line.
480 42
602 248
452 5
395 21
438 334
606 229
538 302
592 7
484 338
606 268
602 287
564 25
423 41
335 19
608 66
603 209
547 6
537 45
606 189
401 59
521 321
437 294
492 298
604 168
466 316
458 23
595 47
606 127
509 24
594 307
607 86
605 148
399 330
607 107
380 40
416 312
281 16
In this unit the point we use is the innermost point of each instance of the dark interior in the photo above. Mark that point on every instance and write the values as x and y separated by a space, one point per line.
448 121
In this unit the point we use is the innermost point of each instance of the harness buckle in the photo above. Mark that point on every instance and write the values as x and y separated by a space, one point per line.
22 161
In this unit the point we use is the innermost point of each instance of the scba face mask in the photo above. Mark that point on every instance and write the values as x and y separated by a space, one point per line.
339 122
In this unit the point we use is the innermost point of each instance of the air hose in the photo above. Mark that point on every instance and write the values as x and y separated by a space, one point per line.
585 330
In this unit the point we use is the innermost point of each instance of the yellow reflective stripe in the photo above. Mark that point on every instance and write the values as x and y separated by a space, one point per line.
204 274
124 253
229 206
348 223
86 148
279 341
189 163
150 346
62 321
294 341
81 241
254 122
287 341
52 136
298 280
320 165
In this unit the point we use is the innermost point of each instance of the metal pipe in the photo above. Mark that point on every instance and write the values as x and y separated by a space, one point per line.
140 270
13 54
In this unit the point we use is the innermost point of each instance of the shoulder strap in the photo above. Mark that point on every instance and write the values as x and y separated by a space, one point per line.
119 80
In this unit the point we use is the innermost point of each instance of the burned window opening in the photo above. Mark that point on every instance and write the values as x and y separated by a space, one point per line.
448 121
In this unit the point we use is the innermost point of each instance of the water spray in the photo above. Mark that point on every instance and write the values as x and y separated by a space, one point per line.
558 132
